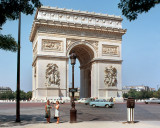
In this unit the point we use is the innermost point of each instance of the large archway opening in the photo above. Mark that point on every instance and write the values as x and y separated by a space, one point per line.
84 55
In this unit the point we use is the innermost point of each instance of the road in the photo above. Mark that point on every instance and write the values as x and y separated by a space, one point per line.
34 113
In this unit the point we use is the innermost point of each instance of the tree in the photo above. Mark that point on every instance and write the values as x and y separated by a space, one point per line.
132 93
8 95
29 95
157 94
7 42
22 95
10 10
125 95
131 8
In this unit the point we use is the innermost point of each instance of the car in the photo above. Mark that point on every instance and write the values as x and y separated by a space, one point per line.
88 100
82 100
60 101
152 100
101 103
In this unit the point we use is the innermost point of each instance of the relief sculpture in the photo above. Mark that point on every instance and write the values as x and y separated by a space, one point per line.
110 50
52 75
110 79
52 45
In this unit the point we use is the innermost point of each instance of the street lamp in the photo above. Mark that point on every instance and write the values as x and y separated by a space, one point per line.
18 72
73 111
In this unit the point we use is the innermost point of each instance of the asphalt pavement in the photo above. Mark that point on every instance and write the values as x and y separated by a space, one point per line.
32 115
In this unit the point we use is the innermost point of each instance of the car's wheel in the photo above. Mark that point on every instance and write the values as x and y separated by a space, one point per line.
146 102
111 106
85 103
93 105
107 106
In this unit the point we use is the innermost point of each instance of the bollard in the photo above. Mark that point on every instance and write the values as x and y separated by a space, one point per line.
130 110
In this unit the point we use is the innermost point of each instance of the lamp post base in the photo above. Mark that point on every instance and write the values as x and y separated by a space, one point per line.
73 116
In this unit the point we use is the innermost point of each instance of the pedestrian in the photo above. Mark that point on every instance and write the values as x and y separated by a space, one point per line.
48 112
57 111
111 99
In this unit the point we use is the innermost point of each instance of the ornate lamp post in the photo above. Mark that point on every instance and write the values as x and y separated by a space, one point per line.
73 111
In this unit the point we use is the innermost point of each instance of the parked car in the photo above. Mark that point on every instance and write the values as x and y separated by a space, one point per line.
53 101
101 103
82 100
152 100
88 100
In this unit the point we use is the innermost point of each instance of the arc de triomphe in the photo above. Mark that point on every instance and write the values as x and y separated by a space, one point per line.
96 38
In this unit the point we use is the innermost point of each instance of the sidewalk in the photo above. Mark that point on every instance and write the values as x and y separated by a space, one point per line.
95 124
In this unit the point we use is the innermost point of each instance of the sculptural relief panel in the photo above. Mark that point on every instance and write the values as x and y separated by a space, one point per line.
94 44
110 79
52 45
52 75
110 50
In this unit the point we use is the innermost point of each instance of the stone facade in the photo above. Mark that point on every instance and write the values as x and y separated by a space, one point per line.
96 39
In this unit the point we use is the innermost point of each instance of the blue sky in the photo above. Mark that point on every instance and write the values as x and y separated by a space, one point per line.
140 45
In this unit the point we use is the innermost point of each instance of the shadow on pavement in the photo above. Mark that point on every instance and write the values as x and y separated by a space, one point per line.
9 120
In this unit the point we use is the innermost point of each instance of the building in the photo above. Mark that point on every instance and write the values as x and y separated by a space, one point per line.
96 39
4 89
152 89
125 89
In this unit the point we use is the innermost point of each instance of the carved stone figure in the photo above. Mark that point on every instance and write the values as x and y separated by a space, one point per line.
52 45
110 50
110 76
52 75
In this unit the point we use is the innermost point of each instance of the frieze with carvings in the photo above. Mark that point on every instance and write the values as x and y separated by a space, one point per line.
52 45
94 44
82 33
110 79
110 50
52 75
78 18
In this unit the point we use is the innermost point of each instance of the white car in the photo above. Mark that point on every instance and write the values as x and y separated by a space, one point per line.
60 101
152 100
82 100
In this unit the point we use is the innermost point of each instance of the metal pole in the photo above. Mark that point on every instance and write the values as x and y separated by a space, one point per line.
73 111
73 78
18 73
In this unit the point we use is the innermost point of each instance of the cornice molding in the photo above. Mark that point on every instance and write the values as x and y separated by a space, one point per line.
78 12
79 20
80 29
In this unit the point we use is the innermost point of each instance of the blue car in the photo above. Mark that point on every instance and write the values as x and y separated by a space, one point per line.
101 103
88 100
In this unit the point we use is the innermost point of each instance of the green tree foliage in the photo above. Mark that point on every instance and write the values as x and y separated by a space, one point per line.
132 93
7 42
125 95
8 95
156 94
9 10
29 95
23 95
131 8
140 94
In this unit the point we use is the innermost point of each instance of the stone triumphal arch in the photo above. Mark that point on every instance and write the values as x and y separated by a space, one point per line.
96 38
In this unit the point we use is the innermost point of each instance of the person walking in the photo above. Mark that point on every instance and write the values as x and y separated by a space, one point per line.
111 99
48 112
57 111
